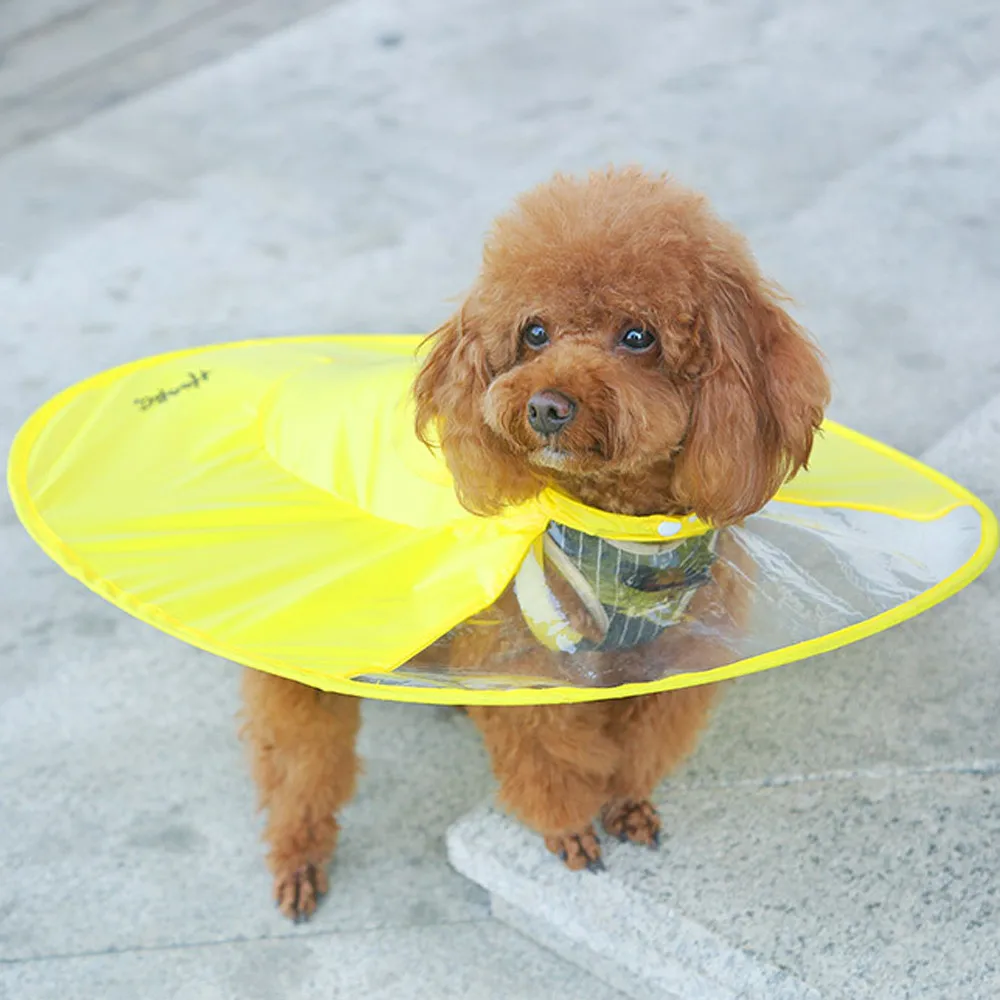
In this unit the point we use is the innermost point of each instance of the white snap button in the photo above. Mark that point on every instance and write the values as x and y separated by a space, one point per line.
668 528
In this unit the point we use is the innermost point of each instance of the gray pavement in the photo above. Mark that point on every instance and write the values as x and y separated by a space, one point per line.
180 173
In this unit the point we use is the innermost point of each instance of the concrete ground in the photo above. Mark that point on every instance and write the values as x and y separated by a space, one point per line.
180 173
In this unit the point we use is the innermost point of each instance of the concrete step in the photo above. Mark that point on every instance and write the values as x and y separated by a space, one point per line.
836 836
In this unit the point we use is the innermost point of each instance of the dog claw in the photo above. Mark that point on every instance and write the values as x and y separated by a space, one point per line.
577 851
634 821
298 892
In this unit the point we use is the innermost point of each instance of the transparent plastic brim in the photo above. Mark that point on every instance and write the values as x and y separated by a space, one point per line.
793 580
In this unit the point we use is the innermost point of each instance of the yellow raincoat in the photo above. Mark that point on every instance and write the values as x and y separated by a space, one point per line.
269 502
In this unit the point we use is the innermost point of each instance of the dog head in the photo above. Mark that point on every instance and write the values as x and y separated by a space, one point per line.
621 345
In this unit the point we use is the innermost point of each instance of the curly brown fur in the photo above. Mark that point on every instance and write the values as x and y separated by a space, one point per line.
711 416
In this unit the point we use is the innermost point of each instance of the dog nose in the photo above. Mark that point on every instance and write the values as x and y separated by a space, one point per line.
550 411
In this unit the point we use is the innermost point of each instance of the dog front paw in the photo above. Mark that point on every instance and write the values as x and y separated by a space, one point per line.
297 891
631 820
578 850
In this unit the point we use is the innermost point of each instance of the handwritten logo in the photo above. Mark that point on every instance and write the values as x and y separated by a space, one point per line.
194 381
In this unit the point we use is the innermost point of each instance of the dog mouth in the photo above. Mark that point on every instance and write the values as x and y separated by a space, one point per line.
551 456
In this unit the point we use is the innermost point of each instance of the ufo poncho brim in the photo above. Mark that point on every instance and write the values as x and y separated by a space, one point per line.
269 502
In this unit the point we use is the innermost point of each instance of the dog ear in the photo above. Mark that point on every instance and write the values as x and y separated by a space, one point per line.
757 405
453 377
449 391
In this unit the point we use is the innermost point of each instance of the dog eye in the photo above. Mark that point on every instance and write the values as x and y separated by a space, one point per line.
535 336
637 338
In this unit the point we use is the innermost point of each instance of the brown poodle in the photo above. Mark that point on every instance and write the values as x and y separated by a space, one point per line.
621 345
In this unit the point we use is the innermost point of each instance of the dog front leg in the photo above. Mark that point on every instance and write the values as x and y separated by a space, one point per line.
303 760
656 732
553 764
